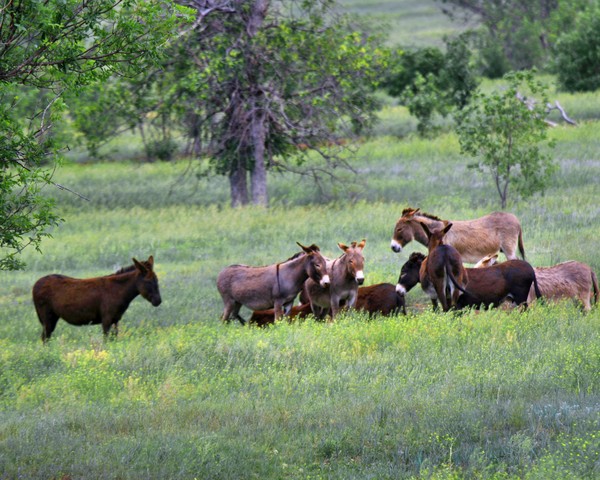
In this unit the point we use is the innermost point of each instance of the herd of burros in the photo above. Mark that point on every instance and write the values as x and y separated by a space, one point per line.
327 286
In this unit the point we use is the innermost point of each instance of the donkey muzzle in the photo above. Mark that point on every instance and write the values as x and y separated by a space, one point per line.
360 277
325 282
395 246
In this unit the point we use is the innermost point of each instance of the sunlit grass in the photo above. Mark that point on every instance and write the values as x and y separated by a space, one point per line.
498 394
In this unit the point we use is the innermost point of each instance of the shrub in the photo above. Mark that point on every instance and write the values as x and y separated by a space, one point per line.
577 60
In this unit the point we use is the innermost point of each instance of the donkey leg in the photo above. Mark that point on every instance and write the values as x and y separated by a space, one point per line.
227 311
48 319
109 324
441 296
335 307
236 313
585 301
278 310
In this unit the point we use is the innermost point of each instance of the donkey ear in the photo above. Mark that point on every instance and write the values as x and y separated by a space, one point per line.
362 243
342 246
140 266
426 229
447 227
409 212
310 249
150 261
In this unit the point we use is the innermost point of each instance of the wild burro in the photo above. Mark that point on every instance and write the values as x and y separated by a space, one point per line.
442 275
566 280
487 286
272 286
378 299
346 273
473 239
92 301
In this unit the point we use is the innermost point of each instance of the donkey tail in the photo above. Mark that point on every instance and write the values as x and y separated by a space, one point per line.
521 248
536 287
454 281
400 304
595 286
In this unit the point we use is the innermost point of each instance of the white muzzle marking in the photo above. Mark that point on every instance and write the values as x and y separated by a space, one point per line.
400 289
360 277
325 281
395 246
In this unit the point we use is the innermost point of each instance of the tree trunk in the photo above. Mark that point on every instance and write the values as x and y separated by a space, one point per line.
238 186
259 171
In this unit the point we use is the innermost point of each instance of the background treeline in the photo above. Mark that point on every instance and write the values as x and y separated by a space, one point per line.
248 89
491 394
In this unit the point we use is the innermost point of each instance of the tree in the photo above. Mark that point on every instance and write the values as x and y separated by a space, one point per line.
516 34
46 49
429 81
505 131
275 80
578 54
257 85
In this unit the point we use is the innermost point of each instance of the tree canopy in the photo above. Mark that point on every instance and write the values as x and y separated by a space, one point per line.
516 34
505 130
255 85
47 49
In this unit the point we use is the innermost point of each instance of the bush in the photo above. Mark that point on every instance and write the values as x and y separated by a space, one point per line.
430 82
577 58
504 131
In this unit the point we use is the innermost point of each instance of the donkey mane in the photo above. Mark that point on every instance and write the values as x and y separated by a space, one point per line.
294 256
124 270
429 215
422 214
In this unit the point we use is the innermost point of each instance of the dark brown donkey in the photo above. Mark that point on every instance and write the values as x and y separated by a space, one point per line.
272 286
91 301
346 274
379 299
488 286
443 276
498 231
571 279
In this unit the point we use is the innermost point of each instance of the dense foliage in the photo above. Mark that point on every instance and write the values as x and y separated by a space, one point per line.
47 48
429 81
578 53
516 35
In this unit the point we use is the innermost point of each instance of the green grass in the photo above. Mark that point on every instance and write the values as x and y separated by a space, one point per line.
179 395
494 394
410 23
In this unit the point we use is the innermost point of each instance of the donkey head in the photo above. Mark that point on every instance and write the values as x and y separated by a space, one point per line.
147 282
487 261
406 230
316 267
409 273
436 237
354 261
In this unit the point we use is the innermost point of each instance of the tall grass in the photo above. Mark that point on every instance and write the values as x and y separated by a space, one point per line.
409 23
495 394
179 395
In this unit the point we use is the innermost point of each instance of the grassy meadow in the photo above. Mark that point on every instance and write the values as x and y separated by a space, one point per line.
487 395
409 23
495 394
